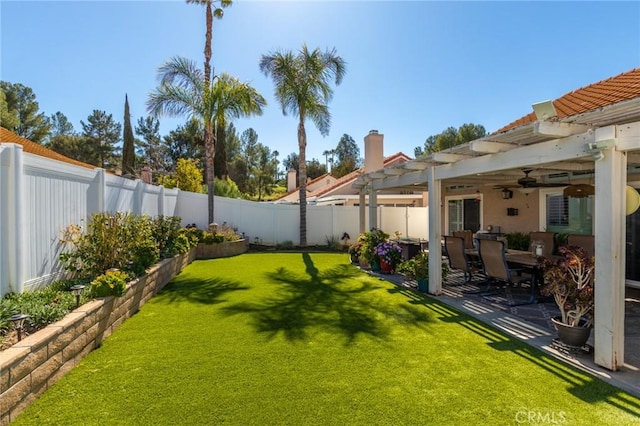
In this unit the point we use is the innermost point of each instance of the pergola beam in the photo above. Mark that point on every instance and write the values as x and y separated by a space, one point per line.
445 157
487 147
558 129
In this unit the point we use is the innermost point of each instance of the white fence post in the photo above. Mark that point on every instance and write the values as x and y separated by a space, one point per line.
161 202
12 219
98 190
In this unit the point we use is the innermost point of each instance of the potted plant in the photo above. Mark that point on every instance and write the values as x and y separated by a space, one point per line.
370 240
417 268
354 251
569 279
390 254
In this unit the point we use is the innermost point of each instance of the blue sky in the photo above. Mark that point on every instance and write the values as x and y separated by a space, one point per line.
413 68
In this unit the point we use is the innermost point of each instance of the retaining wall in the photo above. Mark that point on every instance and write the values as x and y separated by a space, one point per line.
225 249
32 365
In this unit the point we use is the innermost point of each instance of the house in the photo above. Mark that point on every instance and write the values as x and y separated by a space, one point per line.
590 135
327 190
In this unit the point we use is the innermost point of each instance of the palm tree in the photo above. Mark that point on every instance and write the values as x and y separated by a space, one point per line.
183 91
302 88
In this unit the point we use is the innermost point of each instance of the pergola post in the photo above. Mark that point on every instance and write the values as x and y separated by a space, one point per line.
609 227
362 210
435 232
373 208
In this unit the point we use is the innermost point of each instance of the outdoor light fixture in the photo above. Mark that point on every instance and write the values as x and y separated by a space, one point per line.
580 190
77 290
18 323
544 110
506 193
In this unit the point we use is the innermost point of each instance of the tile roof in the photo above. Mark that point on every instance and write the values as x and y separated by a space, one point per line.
615 89
37 149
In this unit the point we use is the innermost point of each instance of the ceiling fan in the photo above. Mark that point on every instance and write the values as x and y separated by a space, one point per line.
530 182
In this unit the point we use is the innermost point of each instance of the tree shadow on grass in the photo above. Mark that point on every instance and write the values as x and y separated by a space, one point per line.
333 300
580 384
208 291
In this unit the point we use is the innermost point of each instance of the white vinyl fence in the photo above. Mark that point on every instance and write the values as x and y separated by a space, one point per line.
40 198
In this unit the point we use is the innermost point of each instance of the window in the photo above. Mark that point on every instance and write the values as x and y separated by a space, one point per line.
567 214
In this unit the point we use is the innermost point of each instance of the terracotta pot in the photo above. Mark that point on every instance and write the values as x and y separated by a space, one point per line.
385 267
575 336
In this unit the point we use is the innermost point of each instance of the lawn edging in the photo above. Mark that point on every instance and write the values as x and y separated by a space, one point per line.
32 365
224 249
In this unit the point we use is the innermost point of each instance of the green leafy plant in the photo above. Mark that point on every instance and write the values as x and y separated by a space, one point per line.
333 243
111 283
417 268
390 252
370 240
285 245
518 240
122 240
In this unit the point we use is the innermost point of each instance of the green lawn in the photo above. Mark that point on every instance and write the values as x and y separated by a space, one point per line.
297 338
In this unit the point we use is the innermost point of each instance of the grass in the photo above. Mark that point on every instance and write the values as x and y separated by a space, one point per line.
305 338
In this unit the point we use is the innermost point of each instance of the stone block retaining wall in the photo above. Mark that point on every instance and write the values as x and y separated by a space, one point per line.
225 249
32 365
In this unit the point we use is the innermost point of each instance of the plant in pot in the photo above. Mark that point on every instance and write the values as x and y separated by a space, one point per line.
417 268
355 250
569 279
370 240
390 254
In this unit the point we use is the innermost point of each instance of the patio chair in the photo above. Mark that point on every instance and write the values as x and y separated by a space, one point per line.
548 239
467 236
587 242
494 264
454 247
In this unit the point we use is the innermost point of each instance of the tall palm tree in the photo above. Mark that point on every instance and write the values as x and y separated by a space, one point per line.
183 91
234 100
302 88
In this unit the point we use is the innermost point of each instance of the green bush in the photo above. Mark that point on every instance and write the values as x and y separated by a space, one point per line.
170 236
518 241
111 283
122 240
370 240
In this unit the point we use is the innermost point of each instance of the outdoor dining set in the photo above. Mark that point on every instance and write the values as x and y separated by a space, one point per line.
496 266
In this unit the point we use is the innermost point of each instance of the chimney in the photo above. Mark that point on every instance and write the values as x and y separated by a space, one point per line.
292 183
373 151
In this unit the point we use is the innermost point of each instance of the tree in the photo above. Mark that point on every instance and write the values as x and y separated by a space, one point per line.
101 135
185 142
348 155
8 118
73 146
302 87
262 170
60 125
150 148
235 100
187 177
451 137
183 90
209 138
315 169
128 143
21 103
328 153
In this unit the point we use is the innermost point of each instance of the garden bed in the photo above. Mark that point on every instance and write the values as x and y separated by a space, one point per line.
32 365
224 249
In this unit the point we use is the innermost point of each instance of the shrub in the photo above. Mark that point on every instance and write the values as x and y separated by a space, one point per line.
170 237
370 240
285 245
122 240
333 243
111 283
518 240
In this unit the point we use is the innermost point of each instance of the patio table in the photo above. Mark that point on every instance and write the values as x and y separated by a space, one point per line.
525 260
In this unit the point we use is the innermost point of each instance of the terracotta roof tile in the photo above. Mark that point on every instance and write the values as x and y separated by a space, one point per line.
37 149
607 92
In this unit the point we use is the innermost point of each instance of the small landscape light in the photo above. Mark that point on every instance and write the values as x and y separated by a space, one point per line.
77 290
18 323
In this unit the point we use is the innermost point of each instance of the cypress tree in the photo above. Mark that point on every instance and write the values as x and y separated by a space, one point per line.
128 152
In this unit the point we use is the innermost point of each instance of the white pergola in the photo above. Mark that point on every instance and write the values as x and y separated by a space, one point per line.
603 140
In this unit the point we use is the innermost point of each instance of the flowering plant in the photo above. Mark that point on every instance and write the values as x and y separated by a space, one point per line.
390 252
369 240
569 279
